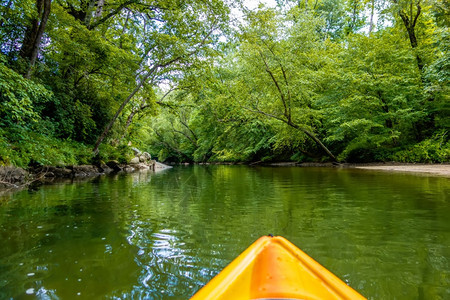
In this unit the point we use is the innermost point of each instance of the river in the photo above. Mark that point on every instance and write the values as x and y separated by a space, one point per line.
164 235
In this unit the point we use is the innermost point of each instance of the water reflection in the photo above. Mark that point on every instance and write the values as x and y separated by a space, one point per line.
163 236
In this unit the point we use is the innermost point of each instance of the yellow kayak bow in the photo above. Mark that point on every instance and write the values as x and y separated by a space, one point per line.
274 268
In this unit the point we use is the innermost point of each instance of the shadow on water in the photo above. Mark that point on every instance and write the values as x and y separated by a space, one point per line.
164 235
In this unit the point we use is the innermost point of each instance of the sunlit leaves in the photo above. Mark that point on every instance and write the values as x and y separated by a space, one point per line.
377 99
18 98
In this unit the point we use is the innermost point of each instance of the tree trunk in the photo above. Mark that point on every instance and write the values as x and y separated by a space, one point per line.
353 21
33 35
98 12
119 111
89 12
371 16
28 39
414 44
129 120
315 139
410 25
286 100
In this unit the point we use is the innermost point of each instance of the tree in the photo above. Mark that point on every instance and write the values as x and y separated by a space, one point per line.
340 17
281 68
373 97
185 34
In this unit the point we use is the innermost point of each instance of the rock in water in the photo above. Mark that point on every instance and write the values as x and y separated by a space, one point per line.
135 160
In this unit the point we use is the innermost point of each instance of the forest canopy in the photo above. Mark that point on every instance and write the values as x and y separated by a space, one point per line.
211 80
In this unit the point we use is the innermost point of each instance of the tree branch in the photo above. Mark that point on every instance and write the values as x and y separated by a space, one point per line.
111 14
167 145
283 71
304 130
419 9
283 100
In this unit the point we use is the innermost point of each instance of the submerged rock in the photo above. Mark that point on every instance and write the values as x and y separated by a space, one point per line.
128 169
12 176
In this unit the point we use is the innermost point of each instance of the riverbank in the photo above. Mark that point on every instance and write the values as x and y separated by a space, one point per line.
12 177
426 169
16 178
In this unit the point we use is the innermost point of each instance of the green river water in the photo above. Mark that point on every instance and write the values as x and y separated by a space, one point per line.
164 235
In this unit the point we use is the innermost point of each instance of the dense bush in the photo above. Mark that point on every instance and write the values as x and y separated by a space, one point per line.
433 150
22 147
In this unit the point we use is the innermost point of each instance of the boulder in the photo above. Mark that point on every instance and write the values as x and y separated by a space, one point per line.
142 166
134 160
51 171
62 172
105 169
147 156
114 164
85 170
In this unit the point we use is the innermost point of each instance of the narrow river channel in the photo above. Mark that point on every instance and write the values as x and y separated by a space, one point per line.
164 235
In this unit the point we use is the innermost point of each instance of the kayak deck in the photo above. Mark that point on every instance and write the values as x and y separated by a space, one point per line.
274 268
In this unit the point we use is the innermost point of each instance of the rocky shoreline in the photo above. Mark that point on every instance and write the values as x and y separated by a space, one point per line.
14 177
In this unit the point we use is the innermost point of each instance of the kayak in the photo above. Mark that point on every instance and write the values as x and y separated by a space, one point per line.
274 268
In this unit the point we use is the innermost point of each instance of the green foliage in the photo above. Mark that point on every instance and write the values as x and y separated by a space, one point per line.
248 141
123 154
438 80
6 153
18 97
297 82
23 147
433 150
375 99
362 95
83 122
